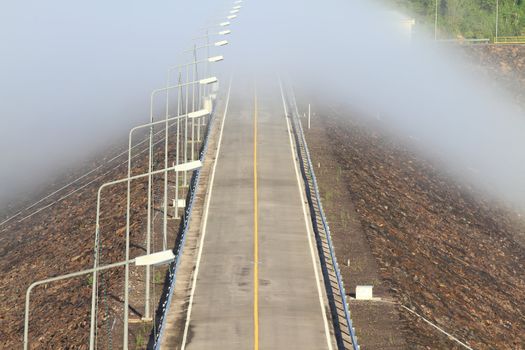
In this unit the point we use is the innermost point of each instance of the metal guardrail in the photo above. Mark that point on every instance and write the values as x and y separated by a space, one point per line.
187 219
509 40
465 41
300 139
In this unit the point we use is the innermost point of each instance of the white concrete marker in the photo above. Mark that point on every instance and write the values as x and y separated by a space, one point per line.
208 104
364 292
181 203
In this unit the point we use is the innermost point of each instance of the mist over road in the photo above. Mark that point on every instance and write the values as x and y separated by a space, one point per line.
76 76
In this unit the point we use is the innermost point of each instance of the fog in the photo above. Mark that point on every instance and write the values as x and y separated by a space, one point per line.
75 75
356 54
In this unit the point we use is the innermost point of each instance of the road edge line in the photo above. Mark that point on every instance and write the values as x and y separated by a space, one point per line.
307 224
205 221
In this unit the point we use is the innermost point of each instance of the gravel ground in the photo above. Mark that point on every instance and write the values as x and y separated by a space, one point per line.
59 240
439 247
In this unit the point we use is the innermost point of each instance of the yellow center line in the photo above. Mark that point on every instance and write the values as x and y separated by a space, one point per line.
255 235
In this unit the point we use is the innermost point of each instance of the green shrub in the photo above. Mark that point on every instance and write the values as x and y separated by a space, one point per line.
470 19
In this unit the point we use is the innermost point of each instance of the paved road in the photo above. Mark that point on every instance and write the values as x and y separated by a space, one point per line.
256 211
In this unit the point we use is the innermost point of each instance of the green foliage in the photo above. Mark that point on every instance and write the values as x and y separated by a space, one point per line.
470 18
89 280
157 278
139 340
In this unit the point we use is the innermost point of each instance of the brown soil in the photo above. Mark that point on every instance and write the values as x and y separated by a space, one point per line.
438 246
441 250
503 64
59 240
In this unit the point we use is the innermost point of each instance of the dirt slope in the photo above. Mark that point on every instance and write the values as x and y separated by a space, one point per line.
59 240
440 250
439 247
504 64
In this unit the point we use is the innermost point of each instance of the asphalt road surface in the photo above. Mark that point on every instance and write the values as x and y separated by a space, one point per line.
258 282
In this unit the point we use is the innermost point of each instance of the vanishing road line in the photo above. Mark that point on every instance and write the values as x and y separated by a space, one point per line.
255 234
205 219
254 283
307 224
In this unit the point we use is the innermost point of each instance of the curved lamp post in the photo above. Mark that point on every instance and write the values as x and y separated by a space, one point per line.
160 258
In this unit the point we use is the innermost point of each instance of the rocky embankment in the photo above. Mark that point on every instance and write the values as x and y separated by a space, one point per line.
441 248
58 239
503 64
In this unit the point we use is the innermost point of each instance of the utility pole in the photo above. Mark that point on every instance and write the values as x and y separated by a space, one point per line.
436 21
497 20
309 116
195 77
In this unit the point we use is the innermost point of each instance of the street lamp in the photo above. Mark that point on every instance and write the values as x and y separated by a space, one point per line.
194 49
150 163
180 167
207 37
208 34
150 173
160 258
170 69
207 46
181 66
128 205
207 81
218 43
208 60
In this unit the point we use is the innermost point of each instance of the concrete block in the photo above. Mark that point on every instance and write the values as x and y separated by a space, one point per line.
364 292
180 204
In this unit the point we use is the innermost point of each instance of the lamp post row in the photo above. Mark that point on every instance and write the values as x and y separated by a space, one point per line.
164 256
152 259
